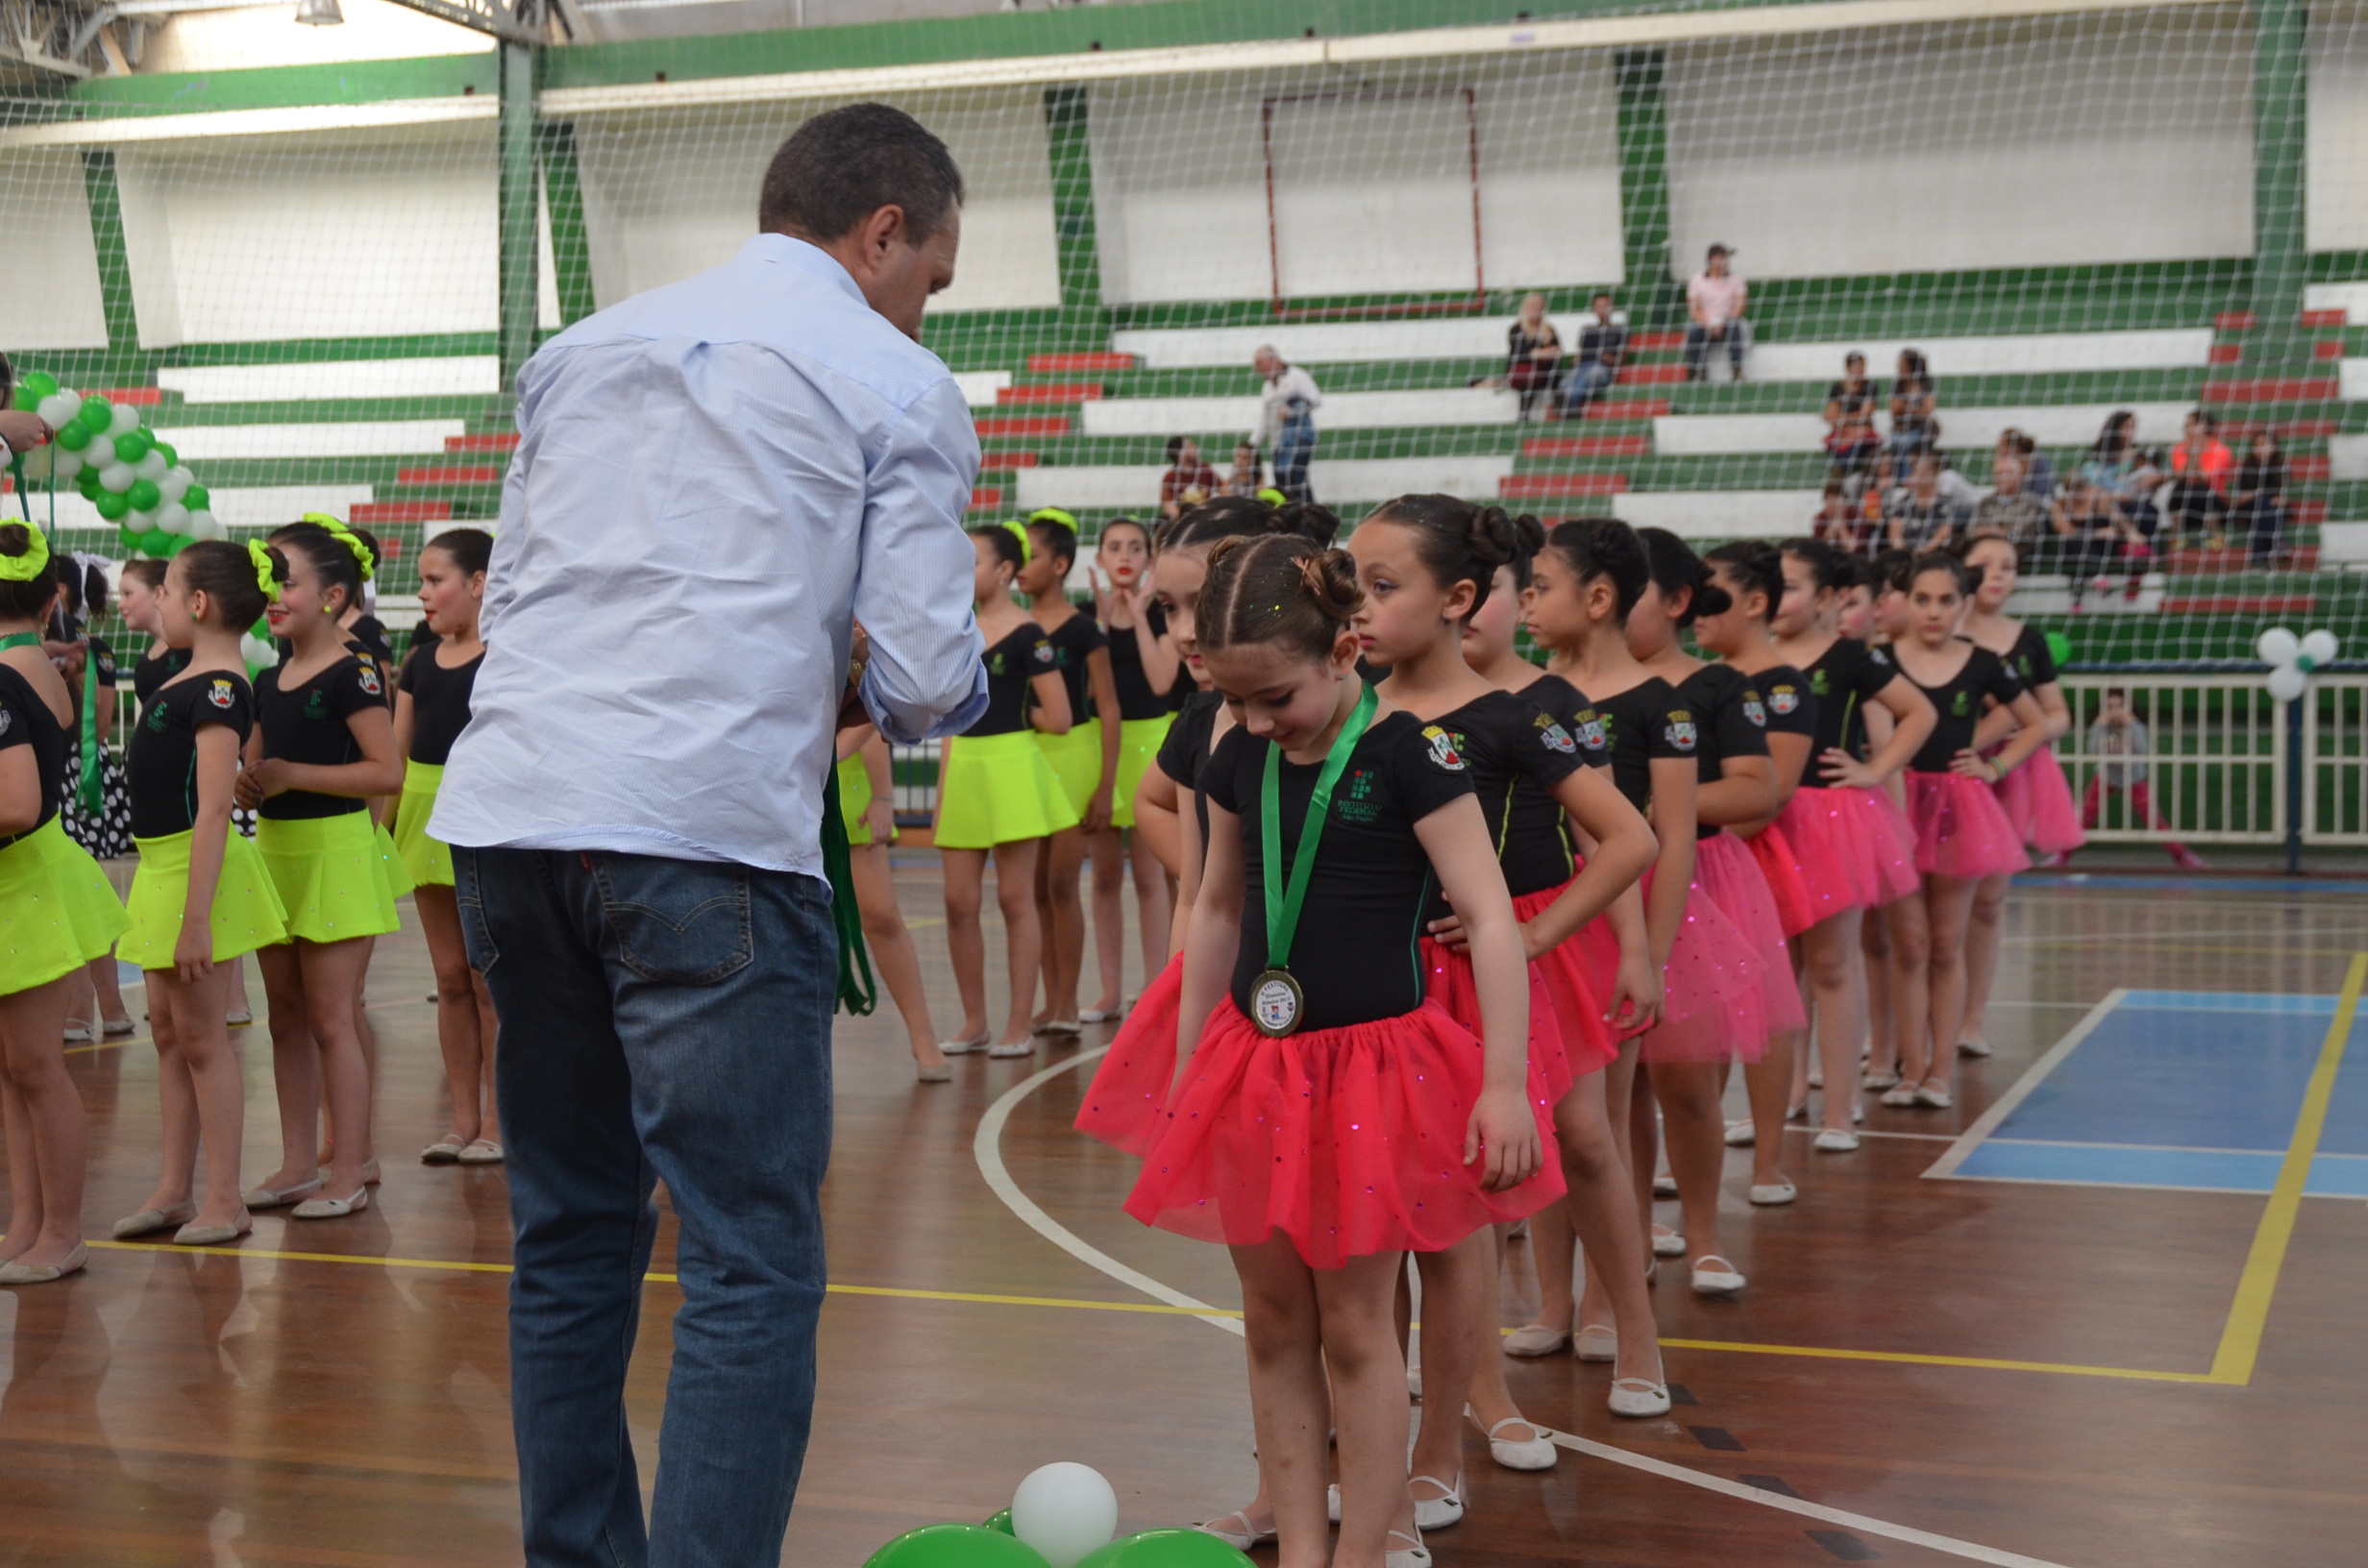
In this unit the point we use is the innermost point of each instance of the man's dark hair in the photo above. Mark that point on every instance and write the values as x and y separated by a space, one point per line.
843 165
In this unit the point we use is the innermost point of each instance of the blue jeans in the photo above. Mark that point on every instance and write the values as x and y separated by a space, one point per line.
1293 448
1589 378
662 1020
1699 343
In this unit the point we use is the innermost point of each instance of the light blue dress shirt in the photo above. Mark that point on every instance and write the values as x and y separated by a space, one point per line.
712 478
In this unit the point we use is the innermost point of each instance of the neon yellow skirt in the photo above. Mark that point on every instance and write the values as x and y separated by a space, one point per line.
998 789
246 907
427 863
333 881
398 877
854 799
1138 742
57 911
1076 762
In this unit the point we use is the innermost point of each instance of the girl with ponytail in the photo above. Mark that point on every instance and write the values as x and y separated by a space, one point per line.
1315 1071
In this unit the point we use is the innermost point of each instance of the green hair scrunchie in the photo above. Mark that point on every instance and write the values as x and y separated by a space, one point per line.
259 553
1273 497
1053 515
32 563
349 539
1019 531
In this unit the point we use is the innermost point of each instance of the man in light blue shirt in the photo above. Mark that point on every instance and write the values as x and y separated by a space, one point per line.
715 483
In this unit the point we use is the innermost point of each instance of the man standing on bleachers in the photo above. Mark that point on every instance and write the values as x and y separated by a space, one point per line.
1287 416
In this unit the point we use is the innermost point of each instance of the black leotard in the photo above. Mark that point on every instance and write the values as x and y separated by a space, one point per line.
1843 680
308 725
154 670
1730 719
1073 642
1184 756
1356 954
1647 723
1960 702
26 720
1011 664
1518 753
160 763
439 703
2031 660
1136 699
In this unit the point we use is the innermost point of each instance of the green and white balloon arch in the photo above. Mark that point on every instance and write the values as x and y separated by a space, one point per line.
118 464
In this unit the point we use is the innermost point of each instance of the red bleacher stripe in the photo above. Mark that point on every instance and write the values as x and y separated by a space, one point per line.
1639 408
1024 425
2332 349
493 441
2242 604
402 511
2309 466
2290 429
985 497
1048 392
447 476
2233 321
2272 389
1059 363
1007 459
2326 318
2228 354
1554 486
2306 514
1650 374
1657 340
1586 446
138 397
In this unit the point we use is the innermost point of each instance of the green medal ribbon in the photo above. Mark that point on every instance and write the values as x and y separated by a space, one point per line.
858 994
1276 1001
92 791
20 639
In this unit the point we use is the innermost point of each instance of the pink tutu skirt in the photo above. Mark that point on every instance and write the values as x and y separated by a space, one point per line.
1853 846
1348 1141
1715 991
1781 864
1960 829
1726 872
2039 801
1566 1035
1130 1088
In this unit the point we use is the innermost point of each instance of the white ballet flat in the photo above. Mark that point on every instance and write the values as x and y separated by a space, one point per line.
1831 1142
1817 1077
1771 1193
267 1197
939 1074
150 1221
1939 1099
1060 1027
1417 1556
963 1047
1722 1280
1635 1398
15 1272
1900 1094
1240 1540
1741 1134
1667 1243
1596 1343
1414 1382
1973 1047
333 1208
77 1033
1533 1453
1878 1080
1439 1513
1664 1186
1533 1340
1026 1048
1103 1015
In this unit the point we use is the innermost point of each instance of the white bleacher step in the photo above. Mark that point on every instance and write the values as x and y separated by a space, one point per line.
2347 457
354 438
2354 386
1340 411
1330 342
2351 298
443 377
1337 483
1961 429
1709 514
255 506
2343 544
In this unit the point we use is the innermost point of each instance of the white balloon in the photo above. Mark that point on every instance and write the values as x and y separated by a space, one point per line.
2286 684
58 409
123 420
139 520
2321 645
174 518
152 466
206 525
117 476
40 461
176 483
67 463
1065 1510
259 654
101 452
2278 645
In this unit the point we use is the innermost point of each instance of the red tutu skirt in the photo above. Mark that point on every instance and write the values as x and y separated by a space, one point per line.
1715 991
1130 1088
2039 801
1348 1141
1781 864
1567 1034
1726 872
1854 848
1960 829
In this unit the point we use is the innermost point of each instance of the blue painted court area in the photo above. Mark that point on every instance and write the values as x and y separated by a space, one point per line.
2178 1090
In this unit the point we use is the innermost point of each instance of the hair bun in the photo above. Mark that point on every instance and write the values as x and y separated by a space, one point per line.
1494 541
1308 521
1332 583
15 539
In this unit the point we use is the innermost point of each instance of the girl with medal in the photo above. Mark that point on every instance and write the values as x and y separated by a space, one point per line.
1426 563
57 913
202 897
997 794
323 747
1143 674
1330 1117
1085 758
1844 828
1962 834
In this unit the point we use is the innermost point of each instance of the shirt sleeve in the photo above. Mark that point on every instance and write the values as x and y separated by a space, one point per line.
361 684
15 718
103 660
2034 661
1184 750
1220 779
1676 732
1875 671
1544 750
1739 717
1996 679
227 701
913 578
1424 770
1791 707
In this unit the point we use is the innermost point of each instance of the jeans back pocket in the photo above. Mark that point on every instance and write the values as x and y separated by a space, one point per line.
681 923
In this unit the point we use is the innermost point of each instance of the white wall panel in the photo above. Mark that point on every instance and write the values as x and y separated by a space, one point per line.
51 296
2338 165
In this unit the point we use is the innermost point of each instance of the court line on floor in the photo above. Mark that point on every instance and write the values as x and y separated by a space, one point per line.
1999 1108
2240 1340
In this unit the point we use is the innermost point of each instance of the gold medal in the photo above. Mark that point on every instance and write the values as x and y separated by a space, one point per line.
1276 1003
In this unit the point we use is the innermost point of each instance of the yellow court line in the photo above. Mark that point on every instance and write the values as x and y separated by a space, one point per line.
2240 1340
1913 1358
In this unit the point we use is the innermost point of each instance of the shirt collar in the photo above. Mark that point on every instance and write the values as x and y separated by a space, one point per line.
807 257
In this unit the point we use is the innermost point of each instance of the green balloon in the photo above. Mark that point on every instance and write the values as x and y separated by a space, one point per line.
75 435
112 506
955 1546
87 482
42 382
999 1522
2060 648
133 445
96 412
176 543
129 534
1166 1549
196 497
156 542
172 458
27 399
145 496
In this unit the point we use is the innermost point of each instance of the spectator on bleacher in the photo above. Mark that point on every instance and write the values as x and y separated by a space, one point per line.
1913 423
2129 472
1850 437
1247 478
2010 510
1188 475
1922 515
2038 470
1715 300
1870 488
1840 523
1533 355
1959 490
2257 499
2200 467
2088 534
1287 416
1603 343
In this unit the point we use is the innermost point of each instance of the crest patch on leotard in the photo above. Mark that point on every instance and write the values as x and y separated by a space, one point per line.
1558 738
1443 754
1681 734
1783 699
221 694
1755 712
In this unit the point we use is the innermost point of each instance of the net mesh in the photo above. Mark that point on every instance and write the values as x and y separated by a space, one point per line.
291 271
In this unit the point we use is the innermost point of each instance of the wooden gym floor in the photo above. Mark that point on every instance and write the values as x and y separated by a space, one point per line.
2125 1332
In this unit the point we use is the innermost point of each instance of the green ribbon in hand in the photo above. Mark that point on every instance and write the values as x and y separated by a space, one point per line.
858 994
